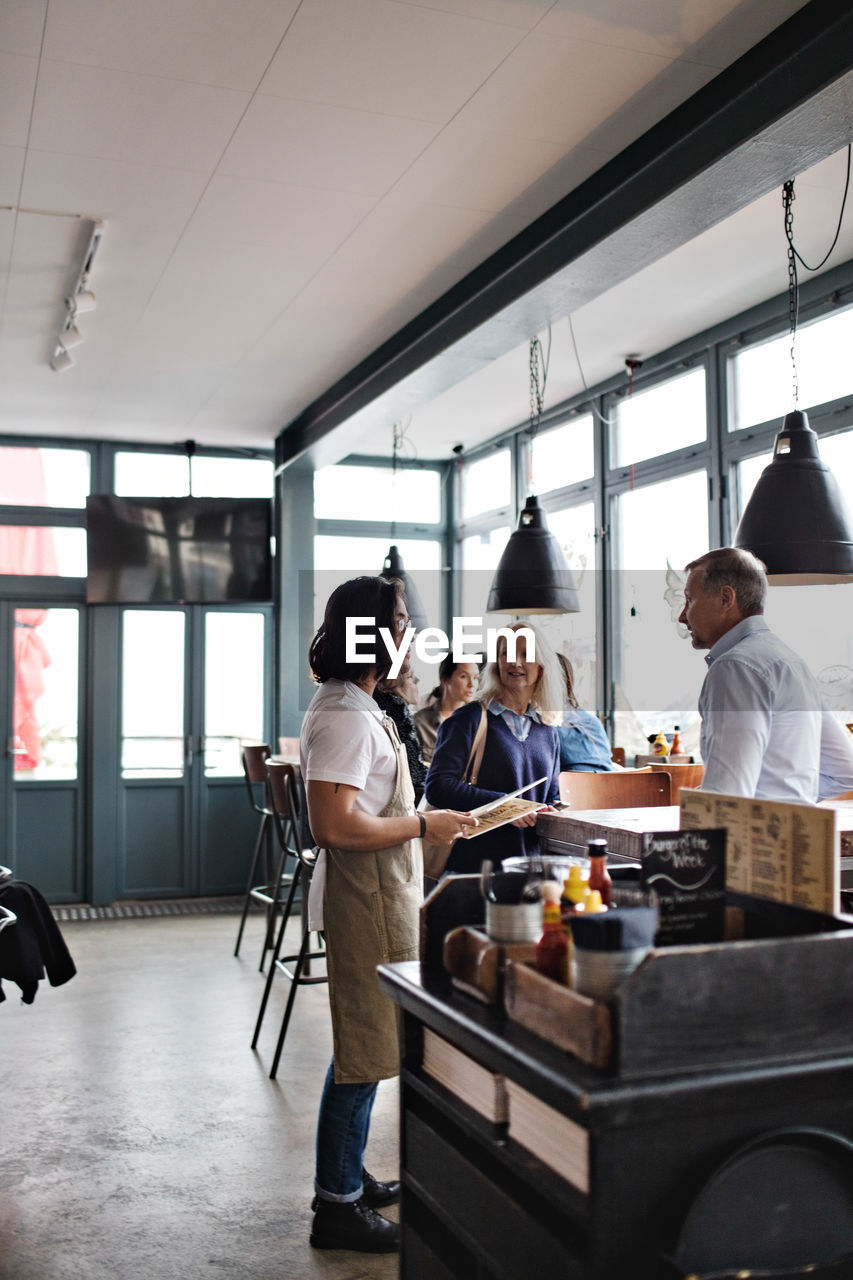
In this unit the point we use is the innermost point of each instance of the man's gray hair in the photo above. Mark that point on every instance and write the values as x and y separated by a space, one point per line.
741 570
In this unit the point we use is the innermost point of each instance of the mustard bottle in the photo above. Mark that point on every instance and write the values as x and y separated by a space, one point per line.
660 746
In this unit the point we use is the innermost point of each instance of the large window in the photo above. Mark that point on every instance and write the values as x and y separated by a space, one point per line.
43 477
562 456
487 484
167 475
377 493
666 417
760 377
658 674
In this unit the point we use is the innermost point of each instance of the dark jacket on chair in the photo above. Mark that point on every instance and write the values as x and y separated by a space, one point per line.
33 944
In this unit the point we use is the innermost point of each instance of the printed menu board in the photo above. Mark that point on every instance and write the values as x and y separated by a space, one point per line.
788 852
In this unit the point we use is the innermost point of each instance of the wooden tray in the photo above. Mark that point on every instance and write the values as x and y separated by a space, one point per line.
563 1017
476 964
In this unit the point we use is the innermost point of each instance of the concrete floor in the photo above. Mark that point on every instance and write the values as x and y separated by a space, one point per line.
141 1138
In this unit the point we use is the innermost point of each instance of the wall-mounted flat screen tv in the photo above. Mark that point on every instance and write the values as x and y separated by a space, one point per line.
178 550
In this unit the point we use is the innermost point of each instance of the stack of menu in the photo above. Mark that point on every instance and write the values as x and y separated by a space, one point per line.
473 1083
553 1138
774 849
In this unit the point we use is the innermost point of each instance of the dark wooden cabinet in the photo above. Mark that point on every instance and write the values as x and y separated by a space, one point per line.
477 1204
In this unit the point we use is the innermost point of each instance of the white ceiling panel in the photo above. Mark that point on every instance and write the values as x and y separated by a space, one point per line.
559 90
219 42
17 82
316 145
378 55
86 111
469 169
512 13
11 168
664 27
21 26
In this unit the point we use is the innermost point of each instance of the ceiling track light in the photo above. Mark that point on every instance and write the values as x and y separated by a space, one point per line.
62 360
80 300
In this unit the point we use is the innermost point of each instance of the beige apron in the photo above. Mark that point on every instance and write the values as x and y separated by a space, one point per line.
370 910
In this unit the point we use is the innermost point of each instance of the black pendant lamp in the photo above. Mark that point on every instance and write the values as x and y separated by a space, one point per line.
795 520
533 575
392 567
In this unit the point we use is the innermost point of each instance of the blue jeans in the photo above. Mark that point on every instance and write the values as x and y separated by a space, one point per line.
342 1127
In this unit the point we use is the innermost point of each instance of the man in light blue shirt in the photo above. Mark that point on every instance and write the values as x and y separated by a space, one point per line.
762 723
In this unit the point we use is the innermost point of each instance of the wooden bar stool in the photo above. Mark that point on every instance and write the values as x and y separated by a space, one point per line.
289 809
269 891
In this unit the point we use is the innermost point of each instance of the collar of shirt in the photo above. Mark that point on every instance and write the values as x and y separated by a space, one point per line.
357 694
518 722
746 627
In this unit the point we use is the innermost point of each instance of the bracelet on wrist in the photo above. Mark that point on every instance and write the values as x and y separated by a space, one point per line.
422 823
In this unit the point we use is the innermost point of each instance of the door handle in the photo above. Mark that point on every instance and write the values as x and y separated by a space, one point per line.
188 750
12 750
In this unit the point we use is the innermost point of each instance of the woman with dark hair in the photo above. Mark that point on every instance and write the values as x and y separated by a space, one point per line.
395 697
457 684
584 745
365 895
521 699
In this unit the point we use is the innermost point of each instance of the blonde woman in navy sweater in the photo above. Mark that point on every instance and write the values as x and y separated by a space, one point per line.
523 701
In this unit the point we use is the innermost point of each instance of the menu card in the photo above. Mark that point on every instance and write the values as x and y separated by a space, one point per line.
687 872
788 852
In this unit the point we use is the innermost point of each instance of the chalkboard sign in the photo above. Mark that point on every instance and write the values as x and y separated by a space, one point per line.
686 870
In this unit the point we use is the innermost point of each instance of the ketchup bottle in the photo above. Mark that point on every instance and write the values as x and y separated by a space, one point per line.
552 949
599 876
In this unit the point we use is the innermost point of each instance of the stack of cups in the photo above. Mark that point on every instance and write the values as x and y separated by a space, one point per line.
608 947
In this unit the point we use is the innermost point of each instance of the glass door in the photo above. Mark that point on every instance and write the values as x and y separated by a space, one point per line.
41 813
195 685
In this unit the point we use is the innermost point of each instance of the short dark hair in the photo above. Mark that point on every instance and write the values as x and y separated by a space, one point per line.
736 568
364 597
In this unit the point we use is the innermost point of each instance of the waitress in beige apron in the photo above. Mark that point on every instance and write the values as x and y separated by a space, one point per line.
369 878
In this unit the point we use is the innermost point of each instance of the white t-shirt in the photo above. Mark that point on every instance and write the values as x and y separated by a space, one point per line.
342 740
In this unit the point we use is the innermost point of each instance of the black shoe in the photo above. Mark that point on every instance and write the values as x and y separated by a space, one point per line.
353 1226
375 1194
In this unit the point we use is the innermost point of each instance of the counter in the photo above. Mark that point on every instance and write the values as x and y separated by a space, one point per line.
477 1203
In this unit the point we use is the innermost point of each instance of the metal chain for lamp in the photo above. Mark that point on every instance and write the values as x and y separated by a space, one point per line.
788 198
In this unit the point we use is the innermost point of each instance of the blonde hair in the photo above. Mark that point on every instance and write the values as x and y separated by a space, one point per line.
548 696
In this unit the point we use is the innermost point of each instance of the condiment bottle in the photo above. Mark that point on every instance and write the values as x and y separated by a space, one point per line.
676 748
593 906
660 746
574 888
552 949
599 876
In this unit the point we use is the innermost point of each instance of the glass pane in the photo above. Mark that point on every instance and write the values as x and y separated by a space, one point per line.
232 478
760 378
668 416
658 674
828 648
747 472
480 555
152 694
375 493
43 552
575 633
486 484
150 475
43 477
233 691
562 456
337 559
46 679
